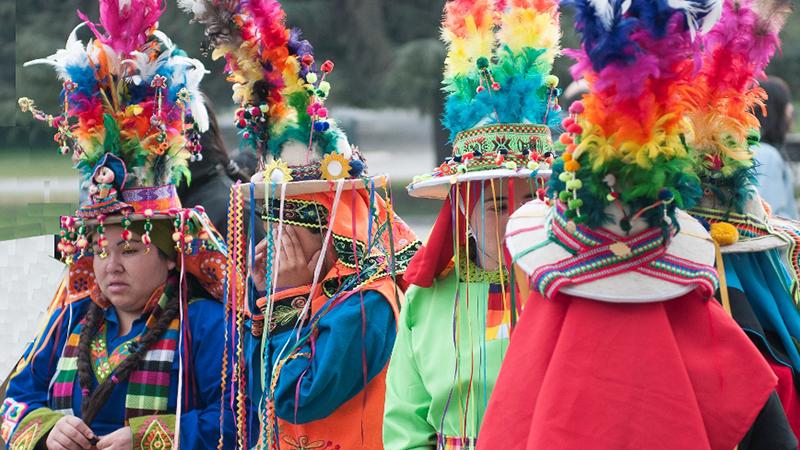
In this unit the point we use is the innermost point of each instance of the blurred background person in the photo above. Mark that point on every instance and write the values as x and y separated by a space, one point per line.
775 178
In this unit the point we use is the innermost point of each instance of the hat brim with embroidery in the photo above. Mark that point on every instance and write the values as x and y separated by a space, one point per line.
593 263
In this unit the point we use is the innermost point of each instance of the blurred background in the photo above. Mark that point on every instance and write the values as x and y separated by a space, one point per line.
385 92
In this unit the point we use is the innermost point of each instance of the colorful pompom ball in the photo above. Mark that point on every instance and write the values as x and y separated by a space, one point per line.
724 233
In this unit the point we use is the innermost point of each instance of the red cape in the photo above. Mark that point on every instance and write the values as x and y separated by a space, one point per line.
584 374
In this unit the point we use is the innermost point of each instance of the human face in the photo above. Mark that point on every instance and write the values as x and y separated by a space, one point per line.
489 219
128 276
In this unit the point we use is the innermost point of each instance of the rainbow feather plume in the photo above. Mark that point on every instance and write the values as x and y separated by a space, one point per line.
639 59
515 42
131 92
726 92
274 75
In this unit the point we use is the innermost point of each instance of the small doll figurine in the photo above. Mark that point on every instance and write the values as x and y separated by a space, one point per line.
103 187
108 179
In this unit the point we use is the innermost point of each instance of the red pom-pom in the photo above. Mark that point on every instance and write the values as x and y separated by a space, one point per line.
565 139
541 193
255 111
308 59
576 108
126 235
567 122
495 86
479 89
575 129
327 66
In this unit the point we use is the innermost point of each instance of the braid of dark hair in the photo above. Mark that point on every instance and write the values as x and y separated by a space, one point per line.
93 320
90 407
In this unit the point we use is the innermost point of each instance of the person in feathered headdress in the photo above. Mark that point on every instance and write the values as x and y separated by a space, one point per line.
620 344
455 325
757 251
325 296
118 364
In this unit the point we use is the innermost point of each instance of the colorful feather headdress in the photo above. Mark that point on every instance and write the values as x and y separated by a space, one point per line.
624 143
280 89
501 98
132 114
726 93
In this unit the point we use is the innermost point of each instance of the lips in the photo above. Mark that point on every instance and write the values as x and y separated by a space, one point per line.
117 287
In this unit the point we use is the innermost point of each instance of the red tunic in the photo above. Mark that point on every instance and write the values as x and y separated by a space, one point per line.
585 374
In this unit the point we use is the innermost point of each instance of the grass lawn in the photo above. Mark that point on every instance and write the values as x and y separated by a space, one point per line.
27 163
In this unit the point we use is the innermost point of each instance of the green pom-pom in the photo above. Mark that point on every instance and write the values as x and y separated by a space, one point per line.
564 196
311 77
482 62
570 213
551 81
325 88
575 203
461 168
566 176
574 185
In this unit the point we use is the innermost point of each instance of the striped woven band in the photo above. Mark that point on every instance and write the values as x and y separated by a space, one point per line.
600 253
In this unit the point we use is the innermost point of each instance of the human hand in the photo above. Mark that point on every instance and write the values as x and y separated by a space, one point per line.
121 439
70 433
257 273
295 268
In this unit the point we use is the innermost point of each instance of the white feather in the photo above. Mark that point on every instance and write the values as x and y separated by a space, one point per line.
692 9
164 40
604 10
196 7
73 54
193 74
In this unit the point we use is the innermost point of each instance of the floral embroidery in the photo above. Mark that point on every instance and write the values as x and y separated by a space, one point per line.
27 436
156 435
103 363
10 414
305 443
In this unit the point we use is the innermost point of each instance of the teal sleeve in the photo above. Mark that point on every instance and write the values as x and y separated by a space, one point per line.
354 336
405 423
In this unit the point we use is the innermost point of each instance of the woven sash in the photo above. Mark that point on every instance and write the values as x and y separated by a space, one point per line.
600 253
148 385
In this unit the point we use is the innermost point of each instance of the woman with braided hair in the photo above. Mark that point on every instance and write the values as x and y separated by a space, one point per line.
129 357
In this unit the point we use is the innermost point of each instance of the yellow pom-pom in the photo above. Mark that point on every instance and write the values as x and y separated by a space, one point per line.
724 233
567 157
551 81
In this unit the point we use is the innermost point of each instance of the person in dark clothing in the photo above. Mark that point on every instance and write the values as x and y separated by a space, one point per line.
213 176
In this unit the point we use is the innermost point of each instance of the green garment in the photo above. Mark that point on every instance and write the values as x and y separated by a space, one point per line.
422 368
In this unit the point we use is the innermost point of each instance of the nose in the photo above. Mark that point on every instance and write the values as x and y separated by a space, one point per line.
113 262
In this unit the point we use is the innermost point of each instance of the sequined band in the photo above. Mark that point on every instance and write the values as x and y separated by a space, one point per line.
510 139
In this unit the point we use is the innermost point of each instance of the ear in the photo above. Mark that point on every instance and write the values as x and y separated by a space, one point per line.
171 264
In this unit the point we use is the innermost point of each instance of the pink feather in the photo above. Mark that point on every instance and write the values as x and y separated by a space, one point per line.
125 27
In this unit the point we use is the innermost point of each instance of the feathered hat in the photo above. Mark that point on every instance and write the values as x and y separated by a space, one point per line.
614 231
281 92
721 110
131 117
501 98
